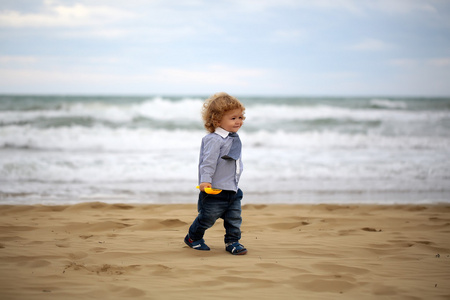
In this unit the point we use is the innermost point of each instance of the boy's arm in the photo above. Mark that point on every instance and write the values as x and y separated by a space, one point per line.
207 167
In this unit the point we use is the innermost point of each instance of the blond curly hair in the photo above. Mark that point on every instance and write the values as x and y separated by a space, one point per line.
216 106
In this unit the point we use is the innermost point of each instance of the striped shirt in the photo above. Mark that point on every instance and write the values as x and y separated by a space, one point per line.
221 173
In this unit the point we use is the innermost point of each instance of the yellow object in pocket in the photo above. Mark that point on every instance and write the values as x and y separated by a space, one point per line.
211 191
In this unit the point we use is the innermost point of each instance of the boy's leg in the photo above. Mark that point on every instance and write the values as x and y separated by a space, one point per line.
210 208
232 219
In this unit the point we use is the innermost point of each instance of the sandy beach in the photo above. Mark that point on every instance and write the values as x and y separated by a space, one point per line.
117 251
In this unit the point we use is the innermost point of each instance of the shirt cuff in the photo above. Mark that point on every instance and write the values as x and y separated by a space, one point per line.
205 178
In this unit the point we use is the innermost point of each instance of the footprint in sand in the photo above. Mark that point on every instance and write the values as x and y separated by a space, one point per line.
78 255
98 249
371 229
85 237
124 291
157 224
321 283
104 269
39 263
253 206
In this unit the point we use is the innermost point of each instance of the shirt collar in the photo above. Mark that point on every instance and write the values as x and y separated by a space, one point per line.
222 132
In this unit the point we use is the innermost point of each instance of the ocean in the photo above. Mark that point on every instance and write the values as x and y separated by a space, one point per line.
144 149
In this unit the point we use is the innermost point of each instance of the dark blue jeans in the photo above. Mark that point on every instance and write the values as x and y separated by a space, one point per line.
226 205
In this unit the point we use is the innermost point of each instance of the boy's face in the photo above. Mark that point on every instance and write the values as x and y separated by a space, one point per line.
232 120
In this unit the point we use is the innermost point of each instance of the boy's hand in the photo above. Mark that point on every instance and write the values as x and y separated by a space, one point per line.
204 185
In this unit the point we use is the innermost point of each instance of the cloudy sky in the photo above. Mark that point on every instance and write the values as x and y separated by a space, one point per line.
244 47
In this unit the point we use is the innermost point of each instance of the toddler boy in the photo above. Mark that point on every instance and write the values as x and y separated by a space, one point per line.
220 167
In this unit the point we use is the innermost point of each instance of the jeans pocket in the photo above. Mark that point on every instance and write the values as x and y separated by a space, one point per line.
239 195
